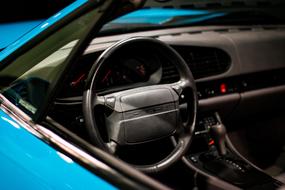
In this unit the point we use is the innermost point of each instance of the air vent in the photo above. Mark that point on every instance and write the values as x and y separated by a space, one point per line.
202 61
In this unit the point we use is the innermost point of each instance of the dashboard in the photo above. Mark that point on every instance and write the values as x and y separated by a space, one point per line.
228 64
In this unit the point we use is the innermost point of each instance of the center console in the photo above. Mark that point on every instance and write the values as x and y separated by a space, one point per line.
213 156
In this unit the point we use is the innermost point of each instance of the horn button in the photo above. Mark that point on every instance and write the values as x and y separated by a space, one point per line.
143 114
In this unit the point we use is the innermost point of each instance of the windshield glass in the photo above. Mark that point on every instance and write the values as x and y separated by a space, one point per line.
166 14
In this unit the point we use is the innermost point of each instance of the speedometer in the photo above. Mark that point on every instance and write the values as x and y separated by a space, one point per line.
115 76
124 70
138 68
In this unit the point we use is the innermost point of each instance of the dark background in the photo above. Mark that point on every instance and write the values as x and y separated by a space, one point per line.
21 10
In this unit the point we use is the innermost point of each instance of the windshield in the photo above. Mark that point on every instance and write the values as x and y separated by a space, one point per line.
166 14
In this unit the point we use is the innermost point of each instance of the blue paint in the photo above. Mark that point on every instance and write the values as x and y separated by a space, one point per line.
26 162
156 15
14 46
10 32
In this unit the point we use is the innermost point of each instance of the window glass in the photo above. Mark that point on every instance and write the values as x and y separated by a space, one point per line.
28 81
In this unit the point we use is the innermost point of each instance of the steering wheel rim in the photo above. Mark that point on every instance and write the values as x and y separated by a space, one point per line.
186 83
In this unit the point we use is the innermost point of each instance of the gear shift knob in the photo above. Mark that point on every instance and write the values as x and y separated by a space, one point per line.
218 133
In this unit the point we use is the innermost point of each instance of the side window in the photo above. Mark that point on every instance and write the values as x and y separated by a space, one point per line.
31 77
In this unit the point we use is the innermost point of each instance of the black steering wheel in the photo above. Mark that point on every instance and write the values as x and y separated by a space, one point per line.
147 113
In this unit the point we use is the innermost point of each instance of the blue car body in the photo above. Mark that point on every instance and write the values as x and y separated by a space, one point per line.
10 32
27 162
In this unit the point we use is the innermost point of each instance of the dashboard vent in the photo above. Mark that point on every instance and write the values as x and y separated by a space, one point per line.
203 61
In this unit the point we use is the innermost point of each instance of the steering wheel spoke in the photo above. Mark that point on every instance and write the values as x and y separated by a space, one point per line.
181 86
99 100
108 101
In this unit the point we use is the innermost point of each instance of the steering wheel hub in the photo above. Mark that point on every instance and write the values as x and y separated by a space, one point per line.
143 114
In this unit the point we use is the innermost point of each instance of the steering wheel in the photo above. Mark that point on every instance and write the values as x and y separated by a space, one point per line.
147 113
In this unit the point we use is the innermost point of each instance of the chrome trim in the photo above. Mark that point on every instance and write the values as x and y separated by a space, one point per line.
50 137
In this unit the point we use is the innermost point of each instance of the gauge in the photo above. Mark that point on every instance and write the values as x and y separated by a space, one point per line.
138 68
78 80
115 76
126 70
107 79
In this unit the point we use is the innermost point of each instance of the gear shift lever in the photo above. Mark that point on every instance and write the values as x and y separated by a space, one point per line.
218 133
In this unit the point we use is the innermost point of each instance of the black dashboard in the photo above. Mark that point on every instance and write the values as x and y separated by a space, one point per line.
228 64
138 66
